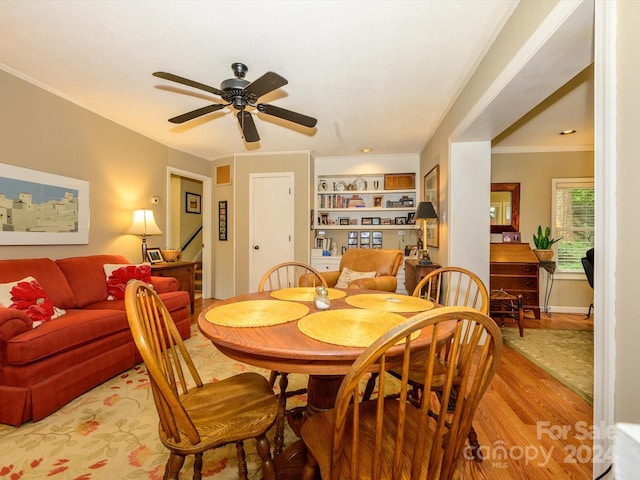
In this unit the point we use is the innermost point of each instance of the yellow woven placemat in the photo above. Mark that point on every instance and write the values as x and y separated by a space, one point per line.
390 302
304 294
349 328
256 313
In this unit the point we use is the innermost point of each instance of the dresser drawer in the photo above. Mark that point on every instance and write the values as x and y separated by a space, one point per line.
521 269
502 282
529 297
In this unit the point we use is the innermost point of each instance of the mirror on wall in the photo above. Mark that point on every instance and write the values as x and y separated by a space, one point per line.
504 213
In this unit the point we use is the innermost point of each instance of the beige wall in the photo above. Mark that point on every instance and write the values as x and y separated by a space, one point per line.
41 131
534 172
627 385
231 258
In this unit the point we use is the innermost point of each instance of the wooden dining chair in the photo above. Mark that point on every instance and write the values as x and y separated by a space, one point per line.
202 416
391 437
287 275
446 286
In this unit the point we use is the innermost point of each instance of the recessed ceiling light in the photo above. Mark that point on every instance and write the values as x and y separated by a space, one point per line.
567 132
366 150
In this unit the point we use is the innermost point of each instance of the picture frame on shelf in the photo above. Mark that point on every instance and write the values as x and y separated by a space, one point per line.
343 220
367 221
324 219
377 201
401 220
154 255
365 239
375 221
386 221
411 220
432 194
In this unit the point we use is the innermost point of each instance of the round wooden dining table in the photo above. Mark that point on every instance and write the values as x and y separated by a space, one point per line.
284 347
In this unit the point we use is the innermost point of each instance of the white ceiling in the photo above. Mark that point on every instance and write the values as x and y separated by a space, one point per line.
378 74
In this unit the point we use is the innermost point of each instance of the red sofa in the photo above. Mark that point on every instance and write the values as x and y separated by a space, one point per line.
43 368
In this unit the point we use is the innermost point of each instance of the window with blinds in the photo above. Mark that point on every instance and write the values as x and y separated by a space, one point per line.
573 203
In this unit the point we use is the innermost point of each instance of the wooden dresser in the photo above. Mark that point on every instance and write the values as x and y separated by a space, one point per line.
414 272
184 272
514 269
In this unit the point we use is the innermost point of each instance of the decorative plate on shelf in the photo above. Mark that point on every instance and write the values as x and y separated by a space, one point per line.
340 186
360 183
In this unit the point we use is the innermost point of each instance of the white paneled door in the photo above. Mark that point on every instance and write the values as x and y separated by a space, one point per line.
271 222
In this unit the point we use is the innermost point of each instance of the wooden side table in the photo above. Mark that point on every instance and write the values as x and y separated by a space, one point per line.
414 272
184 272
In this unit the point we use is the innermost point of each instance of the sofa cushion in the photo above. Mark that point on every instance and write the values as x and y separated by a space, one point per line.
76 328
46 272
28 296
118 276
86 276
347 276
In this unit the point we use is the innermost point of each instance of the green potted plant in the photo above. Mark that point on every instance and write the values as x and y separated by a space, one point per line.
543 243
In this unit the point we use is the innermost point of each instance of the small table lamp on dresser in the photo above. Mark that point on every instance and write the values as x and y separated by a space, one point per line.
144 224
425 211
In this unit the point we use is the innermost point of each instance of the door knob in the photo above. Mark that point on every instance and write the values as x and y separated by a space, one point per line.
256 247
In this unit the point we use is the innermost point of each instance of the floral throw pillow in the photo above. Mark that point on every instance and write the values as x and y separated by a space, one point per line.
119 275
28 296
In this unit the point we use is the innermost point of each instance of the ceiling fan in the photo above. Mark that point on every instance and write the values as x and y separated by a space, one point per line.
241 93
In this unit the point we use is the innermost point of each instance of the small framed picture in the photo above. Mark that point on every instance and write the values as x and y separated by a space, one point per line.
515 237
377 201
343 220
193 203
375 221
411 218
386 221
324 219
507 237
367 221
154 255
401 220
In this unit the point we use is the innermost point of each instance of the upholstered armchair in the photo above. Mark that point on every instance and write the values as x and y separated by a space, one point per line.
365 268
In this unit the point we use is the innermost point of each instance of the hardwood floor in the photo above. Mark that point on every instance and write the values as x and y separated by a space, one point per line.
529 425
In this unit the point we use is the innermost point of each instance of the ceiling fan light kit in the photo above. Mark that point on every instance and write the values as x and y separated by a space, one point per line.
240 94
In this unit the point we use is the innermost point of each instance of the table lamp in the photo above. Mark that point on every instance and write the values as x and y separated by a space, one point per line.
144 224
425 211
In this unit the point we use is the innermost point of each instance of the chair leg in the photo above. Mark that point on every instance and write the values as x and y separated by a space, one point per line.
368 389
242 463
589 311
174 464
310 468
268 467
282 414
272 377
197 467
474 445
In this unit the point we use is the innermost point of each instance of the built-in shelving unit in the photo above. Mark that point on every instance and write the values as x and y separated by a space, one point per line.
366 201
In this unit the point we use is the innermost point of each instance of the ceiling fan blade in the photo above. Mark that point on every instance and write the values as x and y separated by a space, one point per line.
197 113
287 115
186 81
265 84
248 127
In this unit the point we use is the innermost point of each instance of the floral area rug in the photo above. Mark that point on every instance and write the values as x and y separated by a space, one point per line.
112 431
567 355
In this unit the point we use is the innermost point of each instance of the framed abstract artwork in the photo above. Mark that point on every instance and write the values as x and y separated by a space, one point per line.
39 208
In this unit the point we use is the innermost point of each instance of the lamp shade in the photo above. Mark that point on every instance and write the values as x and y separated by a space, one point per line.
144 223
425 210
